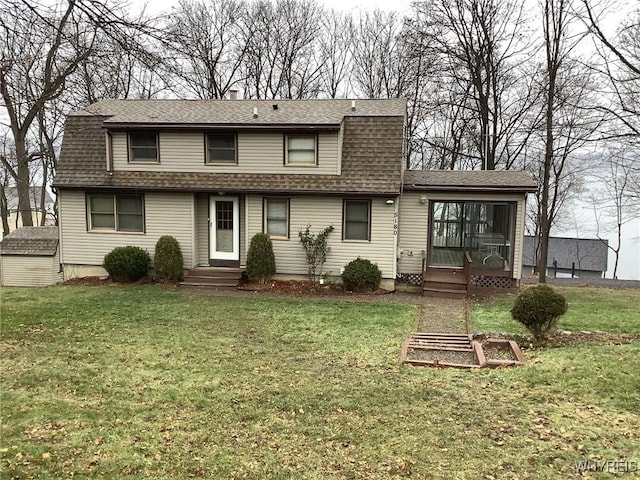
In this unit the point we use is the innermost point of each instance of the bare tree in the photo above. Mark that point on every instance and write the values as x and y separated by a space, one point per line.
481 46
613 206
335 53
42 47
621 56
560 100
281 58
205 40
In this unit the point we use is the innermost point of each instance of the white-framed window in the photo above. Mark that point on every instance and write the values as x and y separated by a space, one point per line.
276 217
115 212
356 223
301 150
222 148
143 147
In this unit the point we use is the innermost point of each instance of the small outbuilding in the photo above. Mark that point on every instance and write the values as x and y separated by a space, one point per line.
30 257
575 257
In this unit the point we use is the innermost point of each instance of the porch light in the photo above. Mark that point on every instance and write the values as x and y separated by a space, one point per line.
423 199
389 202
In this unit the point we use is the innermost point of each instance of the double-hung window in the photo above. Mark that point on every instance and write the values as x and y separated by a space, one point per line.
143 147
120 213
221 148
301 150
356 220
276 217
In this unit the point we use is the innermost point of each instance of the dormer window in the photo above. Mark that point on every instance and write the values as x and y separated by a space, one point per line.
221 148
301 150
143 147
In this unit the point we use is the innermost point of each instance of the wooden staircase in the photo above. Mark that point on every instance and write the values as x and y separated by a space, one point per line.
212 277
441 341
444 282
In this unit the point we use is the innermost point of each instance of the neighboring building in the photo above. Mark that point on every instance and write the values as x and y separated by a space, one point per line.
576 257
14 218
213 173
29 257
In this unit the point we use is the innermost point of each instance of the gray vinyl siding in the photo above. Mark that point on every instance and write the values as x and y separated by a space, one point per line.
201 228
414 224
243 231
258 152
412 232
165 214
29 271
320 212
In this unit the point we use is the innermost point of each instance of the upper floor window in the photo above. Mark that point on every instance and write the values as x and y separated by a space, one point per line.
143 147
221 148
356 220
276 217
121 213
301 150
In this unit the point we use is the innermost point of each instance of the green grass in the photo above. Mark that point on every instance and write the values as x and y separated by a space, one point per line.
142 382
590 309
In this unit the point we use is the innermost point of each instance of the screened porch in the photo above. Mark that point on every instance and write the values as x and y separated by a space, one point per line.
485 230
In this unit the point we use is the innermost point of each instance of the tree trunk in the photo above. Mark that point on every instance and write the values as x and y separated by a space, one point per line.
4 211
22 182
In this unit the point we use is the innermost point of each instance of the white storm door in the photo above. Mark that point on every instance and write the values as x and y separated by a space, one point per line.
224 223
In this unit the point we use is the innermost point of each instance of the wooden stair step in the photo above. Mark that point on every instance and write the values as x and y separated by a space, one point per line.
462 336
188 283
447 348
443 292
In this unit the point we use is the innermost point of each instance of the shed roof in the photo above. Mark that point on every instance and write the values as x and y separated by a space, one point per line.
470 180
271 113
586 253
31 241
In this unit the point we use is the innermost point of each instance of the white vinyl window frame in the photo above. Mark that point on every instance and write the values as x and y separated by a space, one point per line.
350 225
139 147
112 208
272 217
211 149
301 150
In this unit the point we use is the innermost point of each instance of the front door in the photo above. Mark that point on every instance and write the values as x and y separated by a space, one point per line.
224 215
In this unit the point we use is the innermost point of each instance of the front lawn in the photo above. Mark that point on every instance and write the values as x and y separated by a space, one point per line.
590 309
142 382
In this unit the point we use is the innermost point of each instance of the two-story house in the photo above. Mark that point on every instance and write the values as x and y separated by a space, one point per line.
213 173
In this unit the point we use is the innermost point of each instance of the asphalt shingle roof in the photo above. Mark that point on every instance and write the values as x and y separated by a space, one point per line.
584 253
470 180
240 112
31 241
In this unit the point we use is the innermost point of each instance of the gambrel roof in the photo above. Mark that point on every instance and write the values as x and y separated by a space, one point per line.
372 144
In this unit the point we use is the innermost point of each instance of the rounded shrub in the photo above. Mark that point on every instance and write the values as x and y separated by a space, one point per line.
360 275
538 308
168 262
261 262
126 264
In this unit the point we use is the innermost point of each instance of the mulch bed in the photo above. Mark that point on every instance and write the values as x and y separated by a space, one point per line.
567 339
494 352
96 281
304 287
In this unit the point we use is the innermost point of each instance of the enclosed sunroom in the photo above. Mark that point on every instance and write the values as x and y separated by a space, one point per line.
462 230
